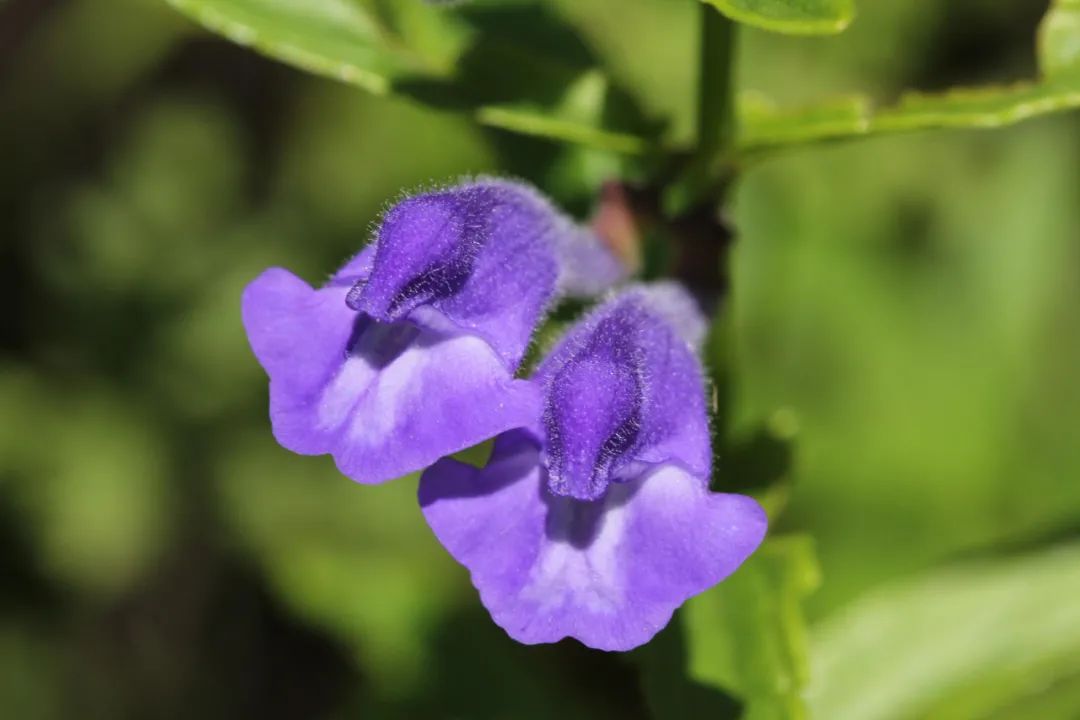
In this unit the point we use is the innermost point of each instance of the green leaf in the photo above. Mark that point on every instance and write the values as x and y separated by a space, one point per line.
573 119
795 17
337 38
739 650
1060 701
1059 38
767 126
760 463
763 125
974 641
977 107
513 66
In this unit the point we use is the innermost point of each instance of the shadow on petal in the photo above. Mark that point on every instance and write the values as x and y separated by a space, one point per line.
379 344
513 460
579 522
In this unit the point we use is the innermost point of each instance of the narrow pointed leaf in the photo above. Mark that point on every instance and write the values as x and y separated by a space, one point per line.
795 17
763 125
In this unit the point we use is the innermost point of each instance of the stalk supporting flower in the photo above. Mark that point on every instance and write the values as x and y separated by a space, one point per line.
596 522
409 352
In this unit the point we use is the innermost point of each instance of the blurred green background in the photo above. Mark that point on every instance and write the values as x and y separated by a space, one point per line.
906 308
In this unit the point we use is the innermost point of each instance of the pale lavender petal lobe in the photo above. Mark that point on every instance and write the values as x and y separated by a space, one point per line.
587 267
300 336
385 399
609 573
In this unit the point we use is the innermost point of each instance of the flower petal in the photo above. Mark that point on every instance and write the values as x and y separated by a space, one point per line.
648 404
356 269
479 257
299 336
670 301
587 267
609 573
385 399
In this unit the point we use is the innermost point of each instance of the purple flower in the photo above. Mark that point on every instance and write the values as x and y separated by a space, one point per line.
597 522
408 353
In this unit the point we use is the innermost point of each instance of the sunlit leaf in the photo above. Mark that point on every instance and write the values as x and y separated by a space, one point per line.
963 642
797 17
328 37
513 66
1059 38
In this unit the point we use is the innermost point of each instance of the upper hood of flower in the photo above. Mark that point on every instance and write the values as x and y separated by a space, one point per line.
623 393
486 258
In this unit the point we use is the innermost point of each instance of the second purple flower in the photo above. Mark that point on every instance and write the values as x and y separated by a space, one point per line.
596 521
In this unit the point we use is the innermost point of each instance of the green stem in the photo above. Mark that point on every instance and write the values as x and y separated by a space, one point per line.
716 86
